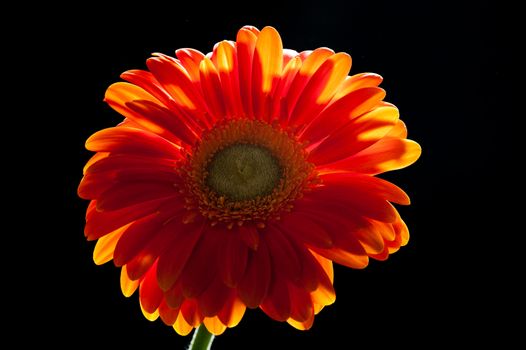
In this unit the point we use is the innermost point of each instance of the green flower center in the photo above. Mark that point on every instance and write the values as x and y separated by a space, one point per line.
243 172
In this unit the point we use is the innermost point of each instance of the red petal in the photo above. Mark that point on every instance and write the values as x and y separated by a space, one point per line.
277 303
214 298
174 296
304 229
202 265
282 253
233 257
136 237
124 195
250 236
149 292
254 285
91 187
102 223
367 204
364 184
191 313
173 260
168 314
341 112
301 304
358 134
167 234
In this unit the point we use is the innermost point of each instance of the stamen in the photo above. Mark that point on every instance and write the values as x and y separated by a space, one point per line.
246 170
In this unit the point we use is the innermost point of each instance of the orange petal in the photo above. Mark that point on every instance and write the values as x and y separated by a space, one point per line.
232 311
341 112
214 325
343 257
181 326
134 103
358 81
398 131
312 60
268 59
150 316
106 246
266 70
161 121
321 88
119 93
190 60
176 81
96 157
128 287
228 69
289 73
246 44
149 83
302 326
211 86
385 155
132 141
356 135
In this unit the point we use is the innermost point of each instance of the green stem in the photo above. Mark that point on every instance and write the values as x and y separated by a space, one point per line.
202 339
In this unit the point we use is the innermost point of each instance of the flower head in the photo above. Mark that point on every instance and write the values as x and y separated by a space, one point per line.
238 177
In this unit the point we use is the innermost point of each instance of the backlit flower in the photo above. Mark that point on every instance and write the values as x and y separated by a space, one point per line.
238 177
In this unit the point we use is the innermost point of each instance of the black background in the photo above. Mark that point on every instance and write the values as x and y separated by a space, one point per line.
442 65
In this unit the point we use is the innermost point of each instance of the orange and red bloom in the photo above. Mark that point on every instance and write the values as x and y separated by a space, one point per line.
238 177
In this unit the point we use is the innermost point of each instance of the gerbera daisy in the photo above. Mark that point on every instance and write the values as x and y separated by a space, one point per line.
238 177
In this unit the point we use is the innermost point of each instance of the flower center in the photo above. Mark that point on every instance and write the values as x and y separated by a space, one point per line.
243 171
246 171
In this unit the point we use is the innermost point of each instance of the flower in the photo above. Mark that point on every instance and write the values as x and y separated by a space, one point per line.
238 177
